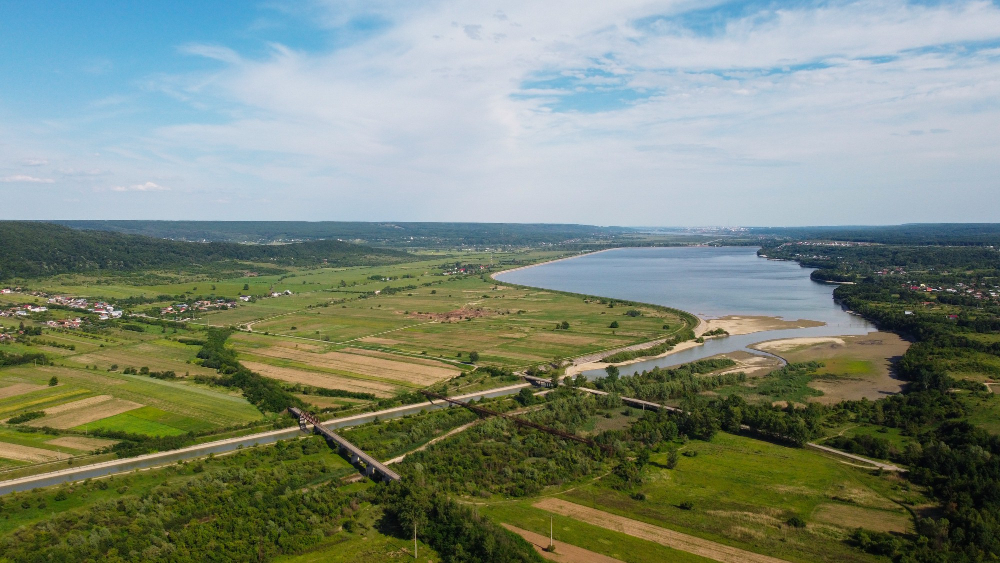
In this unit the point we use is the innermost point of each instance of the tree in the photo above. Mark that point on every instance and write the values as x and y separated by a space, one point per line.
53 381
614 324
555 380
525 397
612 372
473 356
564 325
672 458
246 287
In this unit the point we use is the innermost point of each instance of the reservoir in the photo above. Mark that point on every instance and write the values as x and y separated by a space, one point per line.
710 282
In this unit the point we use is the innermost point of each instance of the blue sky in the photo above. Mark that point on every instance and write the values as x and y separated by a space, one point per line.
644 112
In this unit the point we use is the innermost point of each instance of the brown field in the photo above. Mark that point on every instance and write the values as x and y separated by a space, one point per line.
394 357
323 380
81 443
649 532
29 454
82 403
850 517
18 389
405 372
856 367
564 552
89 413
156 357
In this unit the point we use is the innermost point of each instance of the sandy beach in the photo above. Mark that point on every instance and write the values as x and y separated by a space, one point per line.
735 324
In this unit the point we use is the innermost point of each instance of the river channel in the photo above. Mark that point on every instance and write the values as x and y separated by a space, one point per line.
710 282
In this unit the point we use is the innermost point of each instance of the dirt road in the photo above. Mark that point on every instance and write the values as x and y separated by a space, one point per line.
649 532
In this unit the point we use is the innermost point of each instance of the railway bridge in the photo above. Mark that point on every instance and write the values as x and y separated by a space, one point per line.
369 466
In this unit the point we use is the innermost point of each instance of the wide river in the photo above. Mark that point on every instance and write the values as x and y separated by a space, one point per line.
709 282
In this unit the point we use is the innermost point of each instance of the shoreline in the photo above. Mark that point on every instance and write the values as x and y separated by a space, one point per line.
733 324
494 275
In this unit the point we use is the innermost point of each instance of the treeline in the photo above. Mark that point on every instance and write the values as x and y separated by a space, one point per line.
396 235
915 234
264 393
14 359
41 249
661 384
958 462
455 531
666 346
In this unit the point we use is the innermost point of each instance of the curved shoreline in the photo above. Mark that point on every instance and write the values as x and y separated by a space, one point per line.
591 361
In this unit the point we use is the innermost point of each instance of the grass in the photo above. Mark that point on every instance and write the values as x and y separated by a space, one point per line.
743 490
599 540
368 543
150 421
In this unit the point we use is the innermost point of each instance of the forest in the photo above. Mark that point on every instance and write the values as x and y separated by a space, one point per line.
393 235
30 249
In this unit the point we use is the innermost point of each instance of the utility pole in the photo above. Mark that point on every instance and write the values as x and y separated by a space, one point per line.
414 539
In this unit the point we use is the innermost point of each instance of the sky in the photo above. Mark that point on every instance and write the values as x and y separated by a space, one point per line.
632 112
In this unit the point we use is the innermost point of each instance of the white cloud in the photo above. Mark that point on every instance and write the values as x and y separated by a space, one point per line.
602 112
146 187
34 162
21 178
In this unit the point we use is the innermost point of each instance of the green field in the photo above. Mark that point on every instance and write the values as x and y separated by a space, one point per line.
744 490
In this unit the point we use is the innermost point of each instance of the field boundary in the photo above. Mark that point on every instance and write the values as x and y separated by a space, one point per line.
663 536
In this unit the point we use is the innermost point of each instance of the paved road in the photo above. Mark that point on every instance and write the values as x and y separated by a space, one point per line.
222 446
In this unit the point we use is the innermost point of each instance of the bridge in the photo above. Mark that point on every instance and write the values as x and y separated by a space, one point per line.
369 466
630 401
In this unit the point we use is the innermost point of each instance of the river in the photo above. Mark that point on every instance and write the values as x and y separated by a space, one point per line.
710 282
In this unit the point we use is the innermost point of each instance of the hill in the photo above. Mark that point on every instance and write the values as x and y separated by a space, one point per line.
29 249
396 235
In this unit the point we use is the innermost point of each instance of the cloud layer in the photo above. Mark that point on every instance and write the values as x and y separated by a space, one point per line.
633 112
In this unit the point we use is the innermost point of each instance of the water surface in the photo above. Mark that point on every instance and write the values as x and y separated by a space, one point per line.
710 282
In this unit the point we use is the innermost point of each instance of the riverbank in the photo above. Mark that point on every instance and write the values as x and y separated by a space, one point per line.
749 324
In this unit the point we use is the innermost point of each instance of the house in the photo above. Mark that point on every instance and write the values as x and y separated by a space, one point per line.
245 298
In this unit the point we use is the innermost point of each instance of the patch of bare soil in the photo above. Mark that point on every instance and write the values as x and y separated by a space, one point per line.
18 452
78 416
381 368
323 380
394 357
850 517
649 532
82 403
82 443
856 367
18 389
564 551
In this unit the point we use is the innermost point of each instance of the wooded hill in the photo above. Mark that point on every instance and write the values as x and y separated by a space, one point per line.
29 249
388 234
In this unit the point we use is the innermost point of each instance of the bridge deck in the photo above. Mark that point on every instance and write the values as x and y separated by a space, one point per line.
371 464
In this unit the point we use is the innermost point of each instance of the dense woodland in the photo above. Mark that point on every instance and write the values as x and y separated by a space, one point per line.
30 249
393 235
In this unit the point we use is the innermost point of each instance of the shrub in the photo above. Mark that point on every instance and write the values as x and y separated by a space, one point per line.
26 417
796 522
686 505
